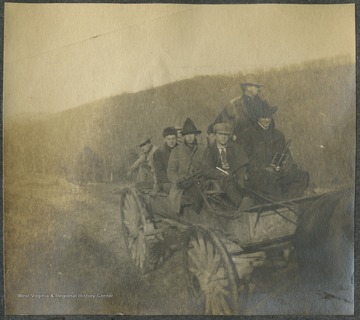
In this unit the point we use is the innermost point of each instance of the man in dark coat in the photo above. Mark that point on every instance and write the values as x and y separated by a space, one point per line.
241 111
185 160
226 162
263 143
161 159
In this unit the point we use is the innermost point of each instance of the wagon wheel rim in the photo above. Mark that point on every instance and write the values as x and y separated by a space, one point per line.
211 274
133 221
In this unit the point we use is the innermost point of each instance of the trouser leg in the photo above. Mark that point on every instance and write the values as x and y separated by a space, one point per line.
234 195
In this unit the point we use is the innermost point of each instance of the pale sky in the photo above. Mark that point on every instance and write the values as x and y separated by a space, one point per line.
59 56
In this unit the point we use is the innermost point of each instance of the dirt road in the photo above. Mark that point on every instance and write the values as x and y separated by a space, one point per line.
64 254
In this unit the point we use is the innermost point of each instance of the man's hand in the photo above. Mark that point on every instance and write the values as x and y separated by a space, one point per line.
235 100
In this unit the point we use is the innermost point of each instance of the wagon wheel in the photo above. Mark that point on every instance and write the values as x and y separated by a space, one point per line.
142 240
211 274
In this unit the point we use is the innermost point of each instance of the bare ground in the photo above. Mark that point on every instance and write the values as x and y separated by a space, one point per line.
65 254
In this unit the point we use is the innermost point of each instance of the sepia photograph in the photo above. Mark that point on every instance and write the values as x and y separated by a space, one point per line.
179 159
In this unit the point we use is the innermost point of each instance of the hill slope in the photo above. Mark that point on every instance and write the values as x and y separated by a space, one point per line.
97 141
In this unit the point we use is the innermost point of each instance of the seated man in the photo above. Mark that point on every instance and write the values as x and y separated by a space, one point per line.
161 159
144 165
225 162
264 145
185 162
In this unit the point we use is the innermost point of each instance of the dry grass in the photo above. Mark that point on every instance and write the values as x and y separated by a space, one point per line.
62 239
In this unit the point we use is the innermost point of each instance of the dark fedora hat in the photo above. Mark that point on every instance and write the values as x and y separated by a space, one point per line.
189 127
169 131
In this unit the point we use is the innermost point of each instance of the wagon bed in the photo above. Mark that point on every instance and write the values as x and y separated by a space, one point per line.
221 246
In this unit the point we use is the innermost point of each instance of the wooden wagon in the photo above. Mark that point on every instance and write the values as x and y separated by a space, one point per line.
221 246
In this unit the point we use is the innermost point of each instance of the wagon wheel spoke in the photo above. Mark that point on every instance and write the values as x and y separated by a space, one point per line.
215 304
211 272
224 305
220 274
195 259
202 249
208 305
214 267
134 217
210 257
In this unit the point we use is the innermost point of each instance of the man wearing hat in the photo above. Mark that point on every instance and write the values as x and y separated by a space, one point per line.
226 163
185 161
240 112
264 145
144 164
161 159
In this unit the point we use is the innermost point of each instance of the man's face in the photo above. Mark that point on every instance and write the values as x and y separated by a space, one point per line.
211 137
145 148
190 138
179 134
252 90
264 123
222 138
170 140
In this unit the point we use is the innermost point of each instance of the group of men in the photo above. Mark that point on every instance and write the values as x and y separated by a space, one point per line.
246 158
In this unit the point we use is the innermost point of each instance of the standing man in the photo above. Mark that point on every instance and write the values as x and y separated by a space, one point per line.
144 164
240 111
185 161
226 163
272 170
161 159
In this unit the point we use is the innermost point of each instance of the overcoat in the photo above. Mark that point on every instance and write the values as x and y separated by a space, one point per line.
183 161
261 146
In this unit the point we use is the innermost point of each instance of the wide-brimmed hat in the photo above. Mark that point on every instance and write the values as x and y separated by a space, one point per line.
250 80
223 127
189 127
144 140
169 131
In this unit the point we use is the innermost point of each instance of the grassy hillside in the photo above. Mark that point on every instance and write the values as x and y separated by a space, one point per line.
97 141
